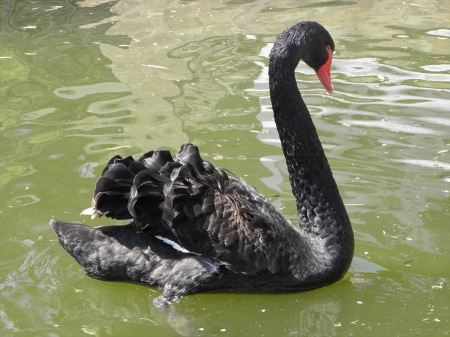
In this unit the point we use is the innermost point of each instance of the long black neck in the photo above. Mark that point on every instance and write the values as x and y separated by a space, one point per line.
324 222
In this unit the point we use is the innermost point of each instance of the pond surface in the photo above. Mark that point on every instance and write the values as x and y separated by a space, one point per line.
83 81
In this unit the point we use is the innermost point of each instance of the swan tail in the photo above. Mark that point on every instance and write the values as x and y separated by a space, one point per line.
101 254
121 254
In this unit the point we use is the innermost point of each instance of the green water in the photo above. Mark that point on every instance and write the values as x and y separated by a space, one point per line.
81 82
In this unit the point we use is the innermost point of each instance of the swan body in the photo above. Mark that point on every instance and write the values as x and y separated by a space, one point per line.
196 228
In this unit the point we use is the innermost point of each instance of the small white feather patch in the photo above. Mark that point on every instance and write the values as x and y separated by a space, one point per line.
88 211
175 245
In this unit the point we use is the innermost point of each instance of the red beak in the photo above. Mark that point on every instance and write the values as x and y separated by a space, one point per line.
324 72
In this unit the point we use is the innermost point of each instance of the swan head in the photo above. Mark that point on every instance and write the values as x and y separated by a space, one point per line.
308 41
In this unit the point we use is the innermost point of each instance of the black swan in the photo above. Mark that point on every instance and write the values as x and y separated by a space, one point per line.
197 228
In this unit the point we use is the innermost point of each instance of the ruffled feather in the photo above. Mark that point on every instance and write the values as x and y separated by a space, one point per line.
189 202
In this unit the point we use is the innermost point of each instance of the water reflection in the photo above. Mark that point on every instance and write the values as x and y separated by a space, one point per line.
78 92
212 96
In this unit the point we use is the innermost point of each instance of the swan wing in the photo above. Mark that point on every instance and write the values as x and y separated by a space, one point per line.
194 207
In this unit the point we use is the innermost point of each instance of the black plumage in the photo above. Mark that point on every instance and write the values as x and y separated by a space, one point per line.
197 228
